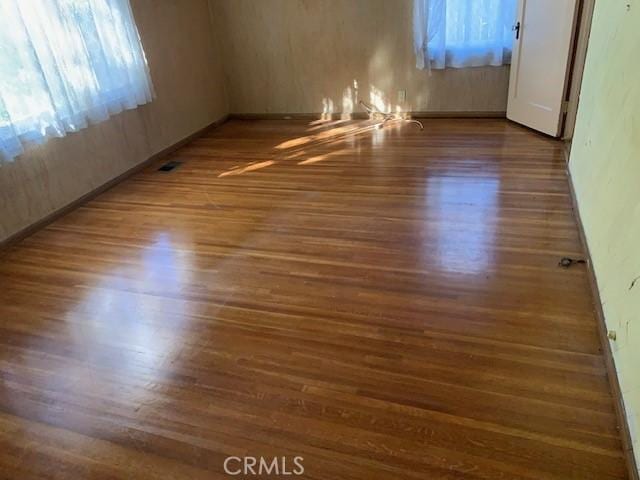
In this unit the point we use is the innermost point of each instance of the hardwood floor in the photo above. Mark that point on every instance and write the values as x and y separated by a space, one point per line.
385 303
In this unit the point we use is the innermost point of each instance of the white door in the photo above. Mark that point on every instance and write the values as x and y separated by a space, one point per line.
540 63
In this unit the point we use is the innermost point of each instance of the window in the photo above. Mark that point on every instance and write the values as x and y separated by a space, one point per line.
65 64
463 33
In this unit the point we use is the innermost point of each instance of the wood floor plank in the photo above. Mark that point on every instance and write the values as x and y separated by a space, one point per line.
385 303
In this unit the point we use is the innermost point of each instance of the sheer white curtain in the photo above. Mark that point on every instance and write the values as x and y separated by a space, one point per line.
64 64
463 33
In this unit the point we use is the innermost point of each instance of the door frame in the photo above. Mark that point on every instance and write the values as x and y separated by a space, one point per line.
576 70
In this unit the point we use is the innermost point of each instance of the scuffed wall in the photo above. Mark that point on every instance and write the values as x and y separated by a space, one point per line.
605 169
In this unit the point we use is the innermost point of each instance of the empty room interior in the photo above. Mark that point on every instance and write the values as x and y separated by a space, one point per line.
323 239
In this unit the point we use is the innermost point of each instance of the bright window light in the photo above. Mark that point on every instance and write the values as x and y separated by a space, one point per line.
65 64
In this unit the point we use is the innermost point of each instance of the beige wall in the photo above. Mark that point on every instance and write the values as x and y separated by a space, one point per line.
286 56
605 169
186 70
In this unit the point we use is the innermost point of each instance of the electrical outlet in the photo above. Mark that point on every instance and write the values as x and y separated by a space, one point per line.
402 96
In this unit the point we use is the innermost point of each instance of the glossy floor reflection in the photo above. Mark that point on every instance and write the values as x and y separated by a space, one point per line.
385 303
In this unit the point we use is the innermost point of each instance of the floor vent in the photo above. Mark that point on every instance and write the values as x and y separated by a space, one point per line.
167 167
